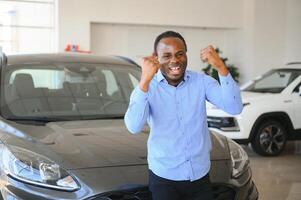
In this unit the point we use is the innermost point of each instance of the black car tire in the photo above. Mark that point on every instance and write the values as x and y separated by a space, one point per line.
270 138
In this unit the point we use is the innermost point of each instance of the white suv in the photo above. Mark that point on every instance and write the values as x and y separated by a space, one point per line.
271 113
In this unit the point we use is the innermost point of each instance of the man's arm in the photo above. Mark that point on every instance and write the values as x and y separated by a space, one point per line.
225 96
138 110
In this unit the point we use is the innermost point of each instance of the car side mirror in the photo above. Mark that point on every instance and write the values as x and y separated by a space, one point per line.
298 90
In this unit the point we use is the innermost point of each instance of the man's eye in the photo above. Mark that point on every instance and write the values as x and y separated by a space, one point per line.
166 56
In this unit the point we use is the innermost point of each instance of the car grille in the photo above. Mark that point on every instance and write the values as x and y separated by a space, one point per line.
133 194
220 192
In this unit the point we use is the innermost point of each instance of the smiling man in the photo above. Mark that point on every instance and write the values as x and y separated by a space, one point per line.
173 102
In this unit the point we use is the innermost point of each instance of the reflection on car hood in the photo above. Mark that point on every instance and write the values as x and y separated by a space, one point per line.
91 143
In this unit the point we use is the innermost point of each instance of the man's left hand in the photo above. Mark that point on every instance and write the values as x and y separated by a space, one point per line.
210 56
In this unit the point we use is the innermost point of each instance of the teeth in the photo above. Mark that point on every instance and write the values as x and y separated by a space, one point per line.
175 68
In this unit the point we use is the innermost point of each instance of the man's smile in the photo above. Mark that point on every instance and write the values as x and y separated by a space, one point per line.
175 70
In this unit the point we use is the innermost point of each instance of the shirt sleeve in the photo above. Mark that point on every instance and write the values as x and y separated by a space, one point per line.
225 95
138 111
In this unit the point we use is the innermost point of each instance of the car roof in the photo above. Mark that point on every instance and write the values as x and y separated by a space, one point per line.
289 69
67 57
294 63
292 66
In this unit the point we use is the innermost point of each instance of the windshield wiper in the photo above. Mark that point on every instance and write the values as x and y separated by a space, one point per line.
97 117
45 120
38 120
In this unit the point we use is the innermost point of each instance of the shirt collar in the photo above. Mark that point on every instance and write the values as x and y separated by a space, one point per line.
160 76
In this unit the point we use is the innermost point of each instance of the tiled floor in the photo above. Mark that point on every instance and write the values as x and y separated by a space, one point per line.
278 178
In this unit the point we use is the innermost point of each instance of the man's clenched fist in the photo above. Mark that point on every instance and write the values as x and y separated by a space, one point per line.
150 65
210 56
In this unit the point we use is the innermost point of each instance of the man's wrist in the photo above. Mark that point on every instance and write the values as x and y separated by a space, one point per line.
143 85
222 70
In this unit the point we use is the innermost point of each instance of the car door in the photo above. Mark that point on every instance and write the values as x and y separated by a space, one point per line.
296 98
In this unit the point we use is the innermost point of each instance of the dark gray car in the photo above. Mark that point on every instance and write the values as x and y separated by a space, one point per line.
62 134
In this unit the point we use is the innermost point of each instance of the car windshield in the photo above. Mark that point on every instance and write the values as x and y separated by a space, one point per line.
273 82
66 91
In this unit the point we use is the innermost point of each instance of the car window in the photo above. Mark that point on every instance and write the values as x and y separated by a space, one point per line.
279 79
42 77
298 88
112 86
273 82
134 80
67 90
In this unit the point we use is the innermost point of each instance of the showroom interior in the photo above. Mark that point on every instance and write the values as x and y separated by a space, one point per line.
258 39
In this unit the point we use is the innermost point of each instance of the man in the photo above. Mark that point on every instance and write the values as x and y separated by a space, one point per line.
173 102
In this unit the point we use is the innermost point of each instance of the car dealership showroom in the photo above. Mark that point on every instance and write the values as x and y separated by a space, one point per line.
150 99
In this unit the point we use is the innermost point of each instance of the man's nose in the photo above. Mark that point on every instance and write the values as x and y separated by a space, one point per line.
174 59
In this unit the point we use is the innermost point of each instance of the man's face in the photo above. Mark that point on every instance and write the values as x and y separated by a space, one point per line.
172 56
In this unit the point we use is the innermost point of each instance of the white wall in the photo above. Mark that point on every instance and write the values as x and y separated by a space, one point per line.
264 36
135 41
271 33
256 35
76 15
293 31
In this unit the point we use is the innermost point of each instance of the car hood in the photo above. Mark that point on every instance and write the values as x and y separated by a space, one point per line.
251 96
247 97
91 143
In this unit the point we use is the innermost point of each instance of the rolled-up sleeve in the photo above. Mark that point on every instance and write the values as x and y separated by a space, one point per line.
138 111
225 95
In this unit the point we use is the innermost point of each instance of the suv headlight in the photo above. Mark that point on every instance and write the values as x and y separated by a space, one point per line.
223 123
30 167
240 159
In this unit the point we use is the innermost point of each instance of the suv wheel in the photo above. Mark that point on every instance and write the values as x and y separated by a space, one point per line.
270 138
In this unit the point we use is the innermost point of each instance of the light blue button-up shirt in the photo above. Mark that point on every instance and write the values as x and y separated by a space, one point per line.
179 142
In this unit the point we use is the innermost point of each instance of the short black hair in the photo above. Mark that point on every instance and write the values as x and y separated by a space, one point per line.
168 34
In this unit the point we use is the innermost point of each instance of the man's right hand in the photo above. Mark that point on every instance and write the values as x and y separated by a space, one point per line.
150 65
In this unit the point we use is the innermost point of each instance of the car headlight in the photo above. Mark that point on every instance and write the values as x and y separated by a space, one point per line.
240 159
30 167
223 123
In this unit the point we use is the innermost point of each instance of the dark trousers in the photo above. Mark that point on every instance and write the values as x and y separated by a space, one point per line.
164 189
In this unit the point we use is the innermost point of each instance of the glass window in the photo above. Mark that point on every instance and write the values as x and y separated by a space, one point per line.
67 90
112 86
279 79
134 80
129 82
273 82
27 26
42 78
